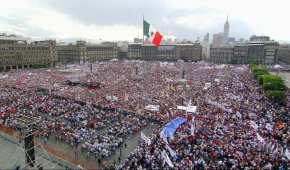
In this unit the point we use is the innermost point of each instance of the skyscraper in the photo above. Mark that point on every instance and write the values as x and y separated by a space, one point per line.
226 29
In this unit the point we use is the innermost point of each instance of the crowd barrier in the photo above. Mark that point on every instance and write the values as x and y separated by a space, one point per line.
56 156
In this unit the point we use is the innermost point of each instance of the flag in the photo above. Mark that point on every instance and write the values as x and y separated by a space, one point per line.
162 135
145 138
166 159
157 39
192 129
155 36
146 28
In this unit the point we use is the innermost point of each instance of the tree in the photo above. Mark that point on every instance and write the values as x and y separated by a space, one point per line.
272 82
276 96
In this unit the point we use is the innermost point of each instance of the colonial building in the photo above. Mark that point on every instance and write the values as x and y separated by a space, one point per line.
134 51
20 55
221 55
102 52
187 52
149 52
72 53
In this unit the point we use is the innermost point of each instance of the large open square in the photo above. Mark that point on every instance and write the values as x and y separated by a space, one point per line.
93 117
144 85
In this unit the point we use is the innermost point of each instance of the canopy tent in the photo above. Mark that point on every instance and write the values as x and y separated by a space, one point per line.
277 66
170 127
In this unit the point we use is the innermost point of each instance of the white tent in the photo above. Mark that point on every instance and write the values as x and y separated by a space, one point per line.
277 66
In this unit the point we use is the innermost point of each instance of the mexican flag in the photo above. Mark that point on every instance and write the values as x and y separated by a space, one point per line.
152 34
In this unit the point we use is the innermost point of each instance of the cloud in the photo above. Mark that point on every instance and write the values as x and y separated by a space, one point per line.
109 12
122 19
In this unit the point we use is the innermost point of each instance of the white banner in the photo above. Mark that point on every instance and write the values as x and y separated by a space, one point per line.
166 159
287 154
145 138
154 108
190 109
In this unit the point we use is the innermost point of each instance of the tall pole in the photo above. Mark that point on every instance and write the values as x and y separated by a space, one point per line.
143 31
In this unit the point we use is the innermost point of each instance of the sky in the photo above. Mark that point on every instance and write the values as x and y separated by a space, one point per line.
115 20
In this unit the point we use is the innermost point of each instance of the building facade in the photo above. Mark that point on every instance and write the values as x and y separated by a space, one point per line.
247 53
101 52
263 52
149 52
21 55
270 52
69 54
221 55
240 55
82 53
283 54
187 52
134 51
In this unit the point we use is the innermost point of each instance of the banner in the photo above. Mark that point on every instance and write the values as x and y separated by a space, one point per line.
145 138
287 154
166 159
190 109
154 108
170 128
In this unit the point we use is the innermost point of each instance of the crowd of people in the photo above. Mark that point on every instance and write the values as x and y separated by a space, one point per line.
99 131
235 125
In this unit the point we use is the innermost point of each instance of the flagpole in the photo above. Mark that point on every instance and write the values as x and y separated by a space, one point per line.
143 30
